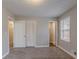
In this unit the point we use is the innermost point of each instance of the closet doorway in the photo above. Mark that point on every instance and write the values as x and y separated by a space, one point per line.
52 33
10 31
24 33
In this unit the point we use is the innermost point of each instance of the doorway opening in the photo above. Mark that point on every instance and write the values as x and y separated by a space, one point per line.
52 33
10 31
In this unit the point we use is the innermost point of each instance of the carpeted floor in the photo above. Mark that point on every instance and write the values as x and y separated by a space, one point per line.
37 53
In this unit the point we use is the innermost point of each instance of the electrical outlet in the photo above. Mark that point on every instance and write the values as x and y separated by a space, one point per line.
75 53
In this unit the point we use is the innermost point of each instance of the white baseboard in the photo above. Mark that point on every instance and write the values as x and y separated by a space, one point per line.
42 46
5 54
67 52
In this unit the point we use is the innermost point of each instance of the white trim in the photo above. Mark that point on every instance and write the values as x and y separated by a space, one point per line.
52 21
56 33
42 46
67 52
5 54
35 33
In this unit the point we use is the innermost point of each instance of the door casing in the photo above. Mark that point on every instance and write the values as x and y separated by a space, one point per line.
56 32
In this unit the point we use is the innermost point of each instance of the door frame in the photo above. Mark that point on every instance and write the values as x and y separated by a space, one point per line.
56 32
10 19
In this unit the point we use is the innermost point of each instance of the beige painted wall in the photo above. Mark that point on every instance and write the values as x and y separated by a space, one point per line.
72 45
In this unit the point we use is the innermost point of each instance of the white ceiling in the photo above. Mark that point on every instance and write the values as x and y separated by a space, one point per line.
50 8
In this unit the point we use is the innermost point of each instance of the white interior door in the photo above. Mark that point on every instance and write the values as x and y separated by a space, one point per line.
30 33
19 33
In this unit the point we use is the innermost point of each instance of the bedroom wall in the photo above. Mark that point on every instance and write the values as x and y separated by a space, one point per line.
71 46
42 32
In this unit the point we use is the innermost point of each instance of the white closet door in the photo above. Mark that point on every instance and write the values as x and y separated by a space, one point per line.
30 33
19 33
